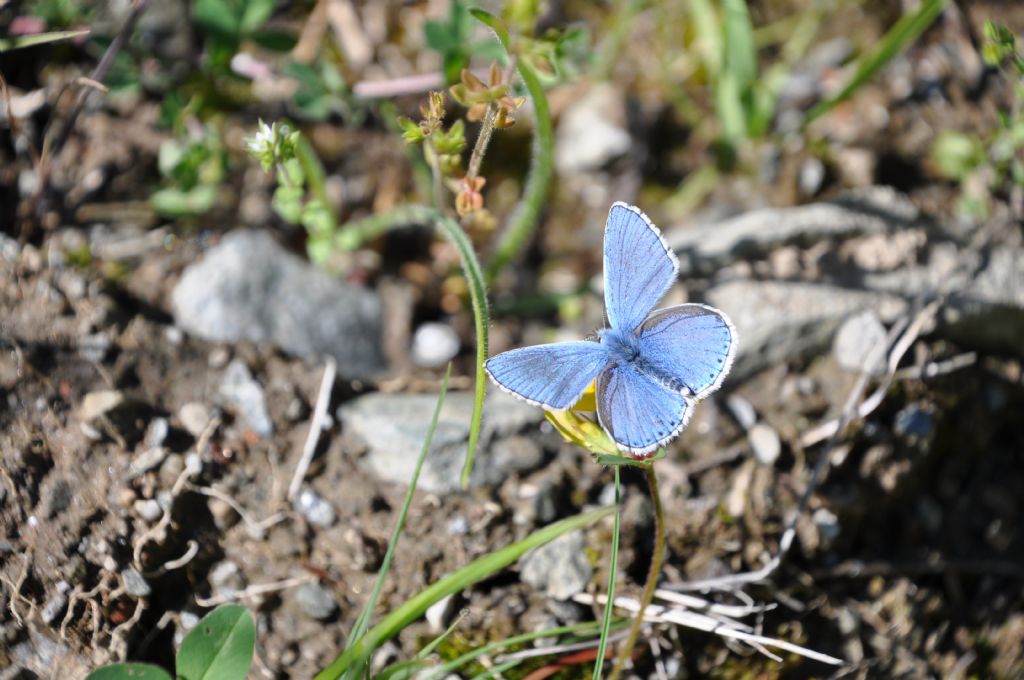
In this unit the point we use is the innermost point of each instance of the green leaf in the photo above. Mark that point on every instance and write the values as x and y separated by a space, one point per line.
8 44
173 202
216 17
287 203
740 52
129 671
254 14
957 154
474 572
220 647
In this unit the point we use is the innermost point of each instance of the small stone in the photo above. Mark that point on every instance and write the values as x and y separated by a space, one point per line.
316 601
56 605
434 344
860 343
194 417
742 410
296 410
827 524
156 433
246 395
439 614
315 508
764 440
592 132
914 423
148 509
59 498
457 526
812 176
226 578
135 583
559 568
94 347
148 459
99 403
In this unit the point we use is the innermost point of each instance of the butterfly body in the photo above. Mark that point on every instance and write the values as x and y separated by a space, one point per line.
649 367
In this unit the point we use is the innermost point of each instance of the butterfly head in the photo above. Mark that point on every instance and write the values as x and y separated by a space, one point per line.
623 347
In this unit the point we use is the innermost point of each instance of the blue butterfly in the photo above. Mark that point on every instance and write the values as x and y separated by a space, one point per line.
650 367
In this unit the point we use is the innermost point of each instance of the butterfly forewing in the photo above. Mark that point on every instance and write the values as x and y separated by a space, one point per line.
693 344
552 375
639 413
638 266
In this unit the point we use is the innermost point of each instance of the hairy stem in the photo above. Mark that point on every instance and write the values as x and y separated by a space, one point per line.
652 576
524 219
482 140
355 233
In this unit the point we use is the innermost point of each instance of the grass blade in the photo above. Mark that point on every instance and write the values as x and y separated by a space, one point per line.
606 621
8 44
903 32
356 233
474 572
363 622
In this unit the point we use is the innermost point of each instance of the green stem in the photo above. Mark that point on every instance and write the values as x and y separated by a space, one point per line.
538 182
355 233
606 621
652 576
315 176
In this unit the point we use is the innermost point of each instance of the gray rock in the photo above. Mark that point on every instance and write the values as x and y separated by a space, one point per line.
194 417
776 321
148 509
592 131
246 396
56 604
764 440
985 304
742 410
434 344
559 568
870 210
811 177
315 508
394 426
250 288
135 583
440 613
226 579
860 343
316 601
100 403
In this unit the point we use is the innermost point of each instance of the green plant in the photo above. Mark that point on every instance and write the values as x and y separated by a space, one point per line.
452 39
193 166
220 647
989 163
301 193
228 22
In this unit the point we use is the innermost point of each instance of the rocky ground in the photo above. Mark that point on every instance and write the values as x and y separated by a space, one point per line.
158 385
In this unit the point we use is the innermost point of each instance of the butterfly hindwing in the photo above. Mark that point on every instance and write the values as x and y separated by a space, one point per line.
639 267
639 413
694 344
553 376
